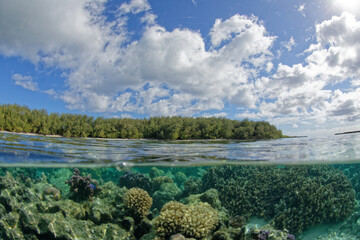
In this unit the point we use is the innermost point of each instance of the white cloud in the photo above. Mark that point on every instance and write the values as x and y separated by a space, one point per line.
290 44
106 72
248 115
216 115
25 82
172 72
301 9
306 89
135 7
149 19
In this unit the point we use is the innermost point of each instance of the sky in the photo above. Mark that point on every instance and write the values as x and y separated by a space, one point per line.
293 63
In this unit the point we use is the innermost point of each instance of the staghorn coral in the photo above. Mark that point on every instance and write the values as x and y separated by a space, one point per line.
190 220
294 197
138 201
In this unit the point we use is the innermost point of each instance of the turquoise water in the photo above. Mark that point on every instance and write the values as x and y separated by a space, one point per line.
294 188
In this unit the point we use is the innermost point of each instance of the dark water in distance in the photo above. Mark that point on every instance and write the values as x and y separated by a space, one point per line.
30 150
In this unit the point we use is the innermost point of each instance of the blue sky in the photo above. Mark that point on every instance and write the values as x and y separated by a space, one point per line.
292 63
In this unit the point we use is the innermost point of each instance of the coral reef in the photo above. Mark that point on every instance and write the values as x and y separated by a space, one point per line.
82 188
29 210
192 186
53 191
167 192
138 201
180 177
353 173
155 172
134 179
295 197
190 220
269 233
216 206
158 181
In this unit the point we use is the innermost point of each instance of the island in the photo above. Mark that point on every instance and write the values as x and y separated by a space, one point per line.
350 132
16 118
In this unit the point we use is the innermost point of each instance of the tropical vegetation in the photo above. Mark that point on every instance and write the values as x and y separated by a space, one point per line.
16 118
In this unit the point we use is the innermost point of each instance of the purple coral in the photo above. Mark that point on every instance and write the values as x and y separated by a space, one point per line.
82 187
263 235
290 237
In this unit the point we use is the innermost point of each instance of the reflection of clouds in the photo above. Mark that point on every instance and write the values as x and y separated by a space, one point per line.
18 149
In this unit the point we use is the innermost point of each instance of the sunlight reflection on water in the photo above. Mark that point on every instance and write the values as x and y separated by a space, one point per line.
23 150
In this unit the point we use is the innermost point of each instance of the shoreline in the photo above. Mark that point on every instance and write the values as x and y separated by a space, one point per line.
31 134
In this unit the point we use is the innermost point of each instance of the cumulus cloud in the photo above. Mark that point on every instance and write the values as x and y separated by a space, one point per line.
305 89
25 82
171 72
135 7
105 72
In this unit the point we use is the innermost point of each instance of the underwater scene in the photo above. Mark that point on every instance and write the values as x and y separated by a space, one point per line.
72 188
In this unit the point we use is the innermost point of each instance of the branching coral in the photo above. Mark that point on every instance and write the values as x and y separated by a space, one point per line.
191 220
295 197
81 187
135 179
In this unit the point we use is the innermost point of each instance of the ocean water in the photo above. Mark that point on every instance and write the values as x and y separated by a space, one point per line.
69 188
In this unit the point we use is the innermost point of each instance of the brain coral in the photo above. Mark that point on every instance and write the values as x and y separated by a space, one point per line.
190 220
138 201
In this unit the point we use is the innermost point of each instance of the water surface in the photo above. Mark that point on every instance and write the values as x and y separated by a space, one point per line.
30 150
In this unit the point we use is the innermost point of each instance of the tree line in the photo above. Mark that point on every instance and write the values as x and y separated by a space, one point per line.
16 118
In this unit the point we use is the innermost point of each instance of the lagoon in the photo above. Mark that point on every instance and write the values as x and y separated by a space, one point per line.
76 188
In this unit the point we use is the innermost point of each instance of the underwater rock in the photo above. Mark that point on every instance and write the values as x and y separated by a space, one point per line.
7 181
111 231
101 212
82 188
111 193
32 212
10 227
53 192
30 218
15 192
